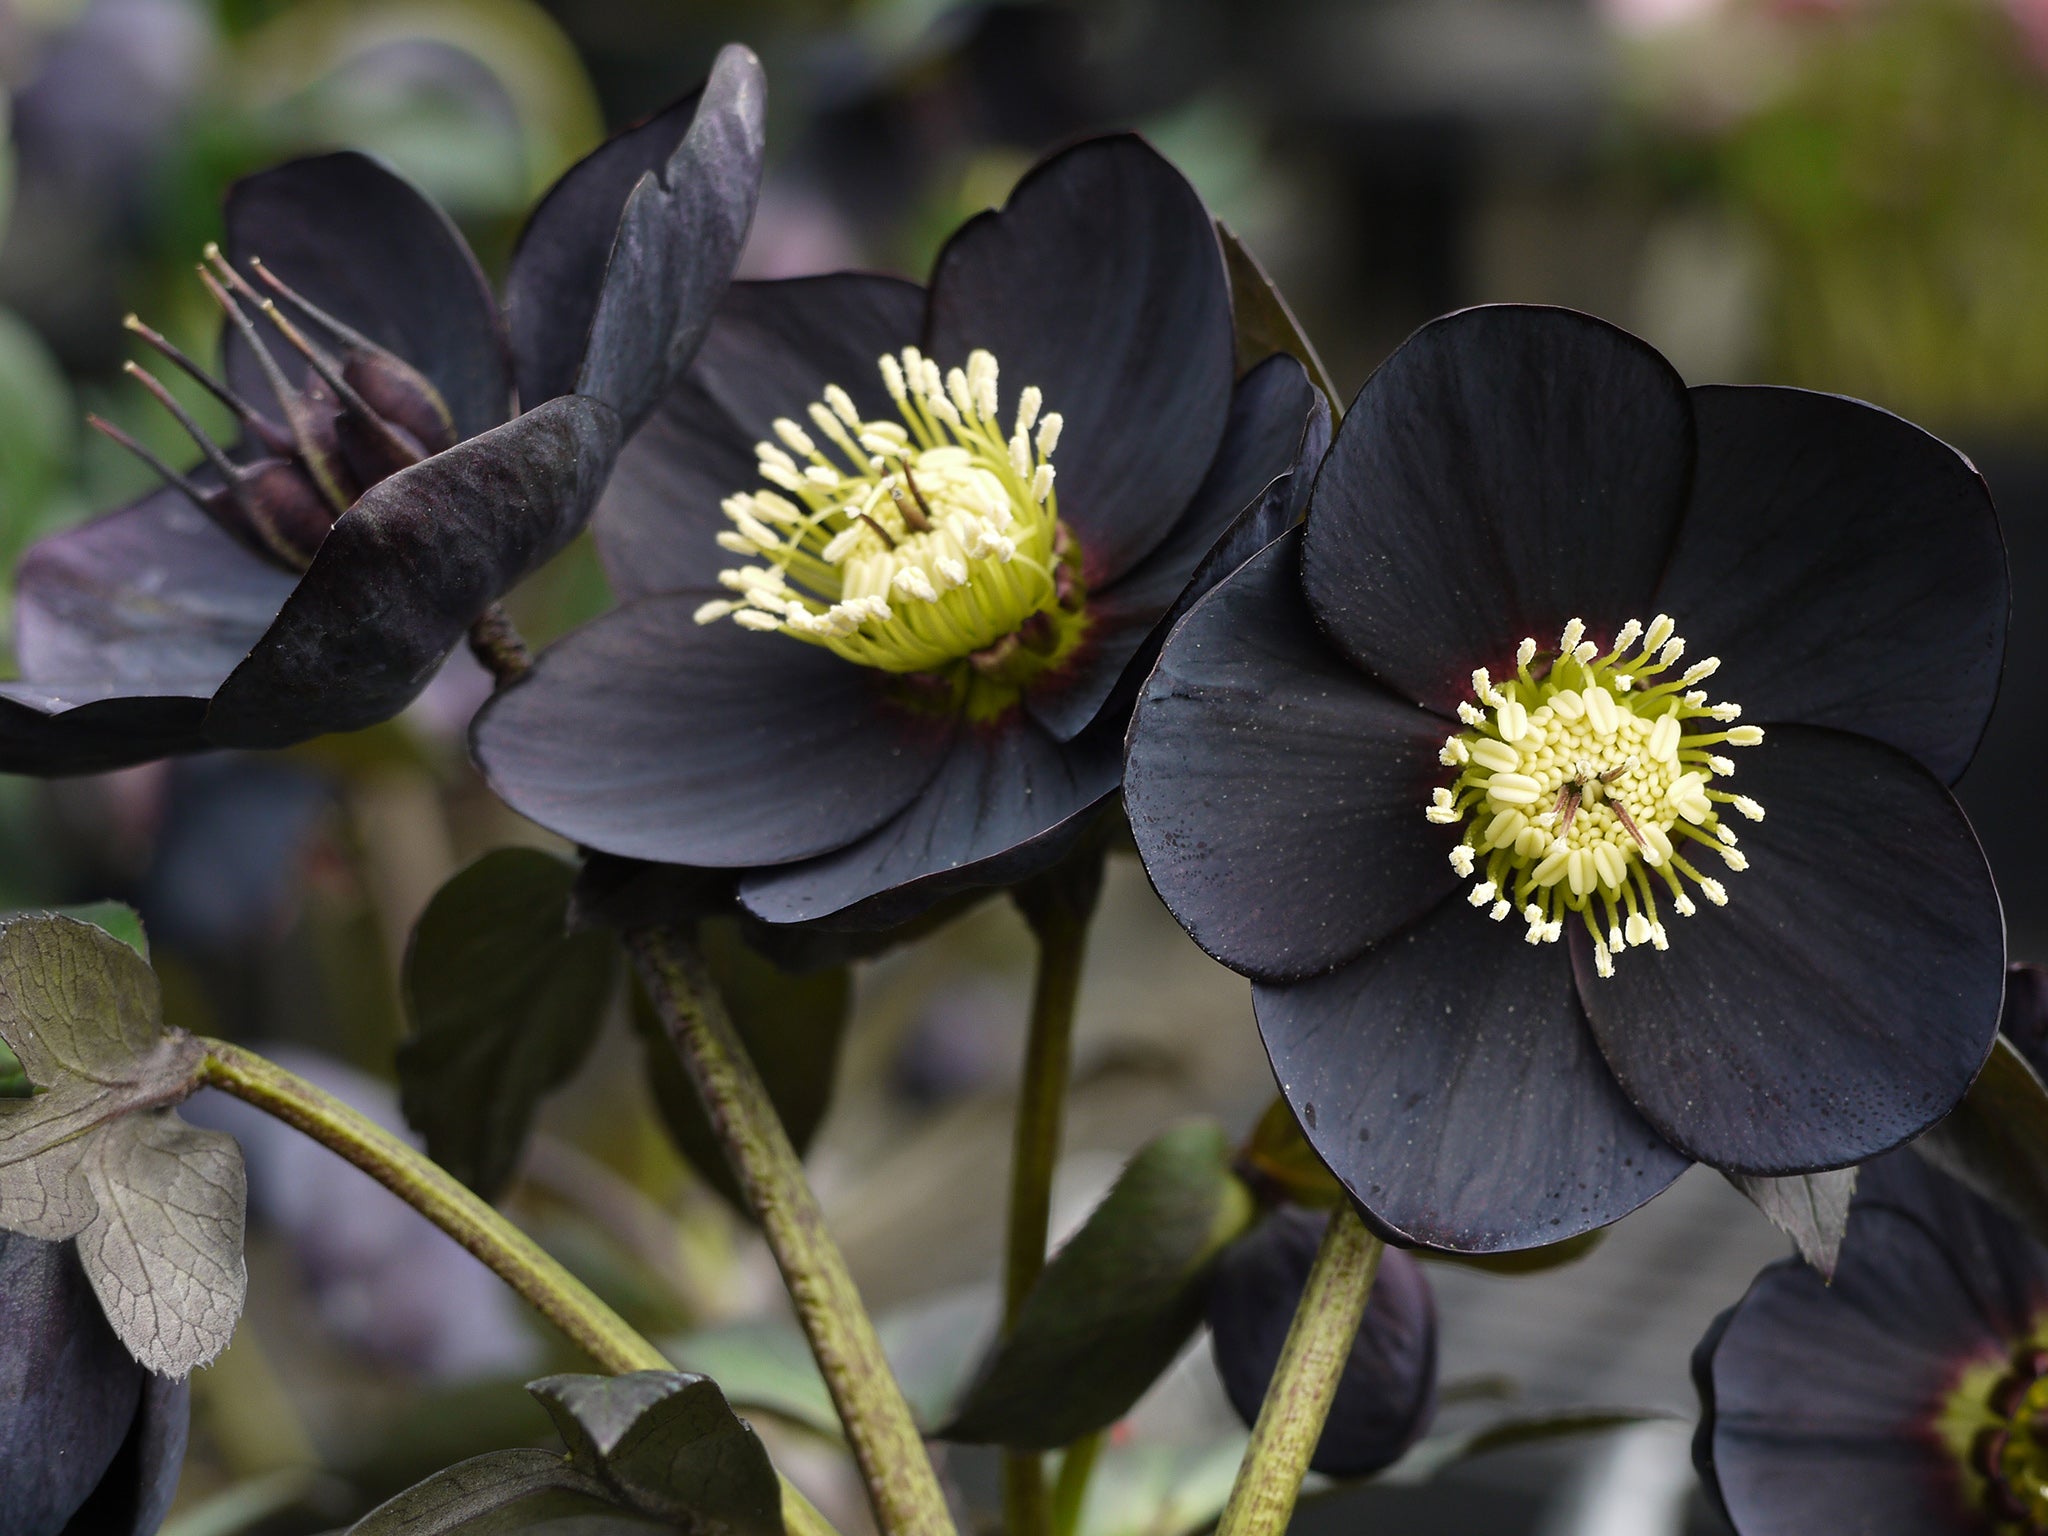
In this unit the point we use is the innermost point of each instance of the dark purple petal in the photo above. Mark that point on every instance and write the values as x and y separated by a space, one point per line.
1387 1392
1008 802
1847 569
771 352
1101 282
137 1491
1274 420
648 735
1276 795
409 568
1844 998
1823 1396
152 597
1507 470
93 729
68 1388
371 249
677 244
1448 1078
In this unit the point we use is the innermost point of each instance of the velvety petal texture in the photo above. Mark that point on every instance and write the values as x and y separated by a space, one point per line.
1447 1077
1275 792
648 735
771 352
1846 567
998 809
1507 470
409 568
1822 1398
372 250
677 242
1101 282
153 597
1847 994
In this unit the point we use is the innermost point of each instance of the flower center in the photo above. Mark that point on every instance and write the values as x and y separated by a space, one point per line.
930 544
2010 1452
1581 787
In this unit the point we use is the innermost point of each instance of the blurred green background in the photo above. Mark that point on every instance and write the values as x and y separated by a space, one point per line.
1850 195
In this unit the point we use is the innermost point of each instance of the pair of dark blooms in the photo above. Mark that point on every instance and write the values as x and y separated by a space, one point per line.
1278 624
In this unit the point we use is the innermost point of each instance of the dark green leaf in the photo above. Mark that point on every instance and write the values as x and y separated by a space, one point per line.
1433 1455
669 1444
99 1154
1811 1208
1526 1261
791 1026
1996 1140
505 1003
1265 325
1116 1304
503 1493
1279 1156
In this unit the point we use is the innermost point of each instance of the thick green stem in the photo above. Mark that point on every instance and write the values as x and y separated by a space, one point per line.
437 1195
901 1483
1311 1363
1058 906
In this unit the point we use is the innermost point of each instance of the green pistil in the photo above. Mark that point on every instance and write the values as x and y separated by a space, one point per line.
1586 787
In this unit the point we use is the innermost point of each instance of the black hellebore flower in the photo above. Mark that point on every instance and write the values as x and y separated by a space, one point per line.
1387 1394
1907 1398
385 490
1467 668
90 1442
888 552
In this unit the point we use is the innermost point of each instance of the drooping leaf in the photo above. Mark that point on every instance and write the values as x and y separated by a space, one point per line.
1996 1140
99 1153
1265 324
505 1003
1433 1455
1116 1304
1811 1208
504 1492
791 1025
1280 1155
668 1444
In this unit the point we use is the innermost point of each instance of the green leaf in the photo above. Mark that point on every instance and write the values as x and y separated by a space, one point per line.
1811 1208
1279 1156
1116 1304
1265 325
1433 1455
1526 1261
505 1003
763 1365
1996 1140
791 1026
668 1444
99 1153
1152 1490
504 1492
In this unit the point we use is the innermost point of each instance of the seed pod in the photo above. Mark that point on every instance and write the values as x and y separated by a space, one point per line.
1387 1395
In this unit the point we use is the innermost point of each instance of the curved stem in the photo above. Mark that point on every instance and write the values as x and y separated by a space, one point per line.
1058 906
437 1195
902 1486
1311 1362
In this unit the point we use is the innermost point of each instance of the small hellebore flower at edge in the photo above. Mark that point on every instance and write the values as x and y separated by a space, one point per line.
407 452
1907 1397
891 557
1455 774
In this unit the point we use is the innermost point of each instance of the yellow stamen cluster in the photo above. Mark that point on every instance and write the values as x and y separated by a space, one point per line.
909 545
1580 784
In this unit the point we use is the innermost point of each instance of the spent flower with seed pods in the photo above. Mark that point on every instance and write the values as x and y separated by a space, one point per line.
405 449
1534 915
1907 1395
893 558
